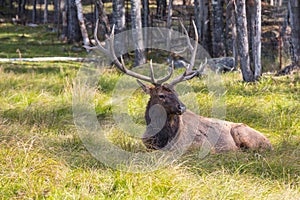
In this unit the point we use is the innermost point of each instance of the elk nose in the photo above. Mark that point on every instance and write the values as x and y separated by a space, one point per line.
182 108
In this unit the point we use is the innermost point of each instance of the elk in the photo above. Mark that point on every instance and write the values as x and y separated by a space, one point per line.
170 124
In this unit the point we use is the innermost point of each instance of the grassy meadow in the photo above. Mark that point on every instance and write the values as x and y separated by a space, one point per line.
42 156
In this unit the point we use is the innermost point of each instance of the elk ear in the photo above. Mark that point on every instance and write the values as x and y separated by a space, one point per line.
146 88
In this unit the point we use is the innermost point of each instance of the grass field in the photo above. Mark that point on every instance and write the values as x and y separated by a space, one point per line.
42 156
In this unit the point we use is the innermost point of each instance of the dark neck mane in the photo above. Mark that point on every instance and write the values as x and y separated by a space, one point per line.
165 135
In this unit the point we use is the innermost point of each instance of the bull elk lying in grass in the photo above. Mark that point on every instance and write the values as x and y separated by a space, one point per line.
169 123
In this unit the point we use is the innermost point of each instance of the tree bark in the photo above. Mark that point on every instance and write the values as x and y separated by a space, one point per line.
103 19
137 33
256 44
242 36
21 7
161 6
33 11
119 15
45 11
235 54
73 24
64 8
56 11
145 13
294 12
218 28
169 24
84 34
145 21
202 13
119 22
22 11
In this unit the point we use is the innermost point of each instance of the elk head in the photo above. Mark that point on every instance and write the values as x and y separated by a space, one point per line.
165 96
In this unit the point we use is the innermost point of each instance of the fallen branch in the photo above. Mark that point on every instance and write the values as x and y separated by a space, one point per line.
42 59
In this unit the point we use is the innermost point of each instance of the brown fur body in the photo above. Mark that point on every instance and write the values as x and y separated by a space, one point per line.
178 129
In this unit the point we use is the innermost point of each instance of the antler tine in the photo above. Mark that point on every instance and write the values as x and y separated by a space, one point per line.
167 77
192 48
189 73
98 43
152 73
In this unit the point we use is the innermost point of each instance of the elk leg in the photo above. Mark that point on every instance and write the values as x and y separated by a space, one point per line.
248 138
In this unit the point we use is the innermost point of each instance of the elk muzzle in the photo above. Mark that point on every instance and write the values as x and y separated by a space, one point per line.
181 109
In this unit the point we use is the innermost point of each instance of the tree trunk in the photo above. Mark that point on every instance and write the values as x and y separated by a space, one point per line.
161 6
84 34
56 11
73 24
256 43
242 40
202 14
169 24
231 40
198 12
145 13
218 28
119 15
103 19
145 21
64 8
34 11
22 11
11 6
119 22
2 3
137 33
45 11
235 53
21 7
294 11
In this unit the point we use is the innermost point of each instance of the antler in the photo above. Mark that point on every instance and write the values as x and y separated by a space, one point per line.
110 51
190 73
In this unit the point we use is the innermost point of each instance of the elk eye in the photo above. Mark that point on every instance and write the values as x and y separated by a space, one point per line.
161 96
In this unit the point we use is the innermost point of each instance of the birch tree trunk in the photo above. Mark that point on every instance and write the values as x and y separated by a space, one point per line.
235 53
294 11
218 28
45 11
137 33
242 40
119 22
84 34
145 21
169 24
256 43
119 15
